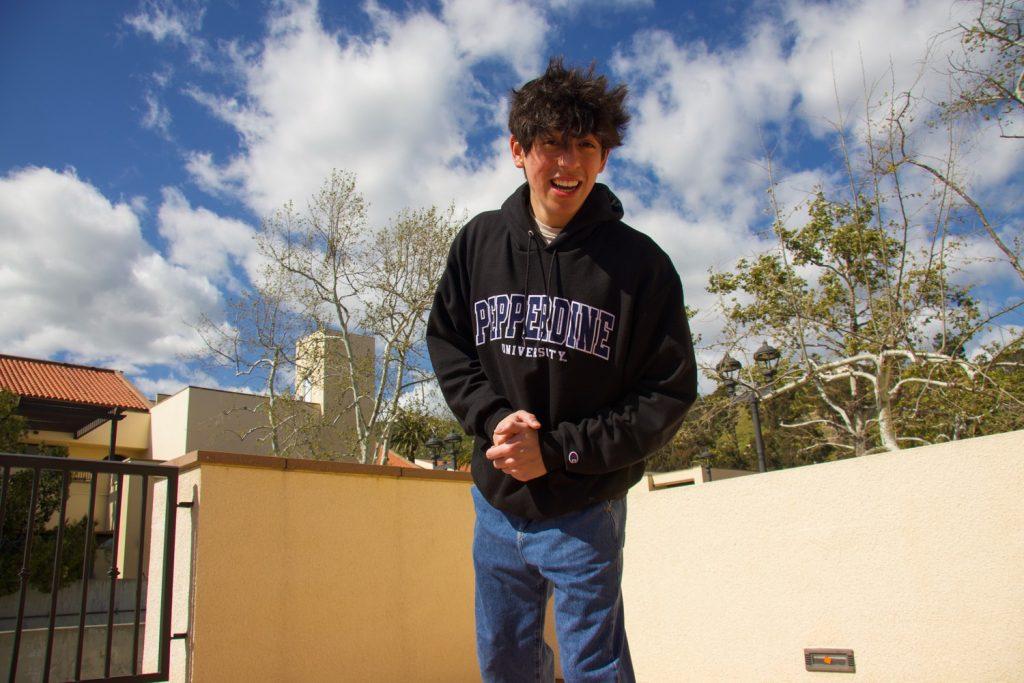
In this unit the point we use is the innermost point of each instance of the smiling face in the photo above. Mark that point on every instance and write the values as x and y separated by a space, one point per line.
561 173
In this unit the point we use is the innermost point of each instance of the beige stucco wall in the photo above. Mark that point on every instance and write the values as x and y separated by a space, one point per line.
915 560
323 374
197 419
169 426
224 421
323 378
306 575
300 571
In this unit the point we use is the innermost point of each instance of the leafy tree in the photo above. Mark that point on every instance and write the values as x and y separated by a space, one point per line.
326 269
12 425
849 297
720 427
959 410
414 425
711 426
16 508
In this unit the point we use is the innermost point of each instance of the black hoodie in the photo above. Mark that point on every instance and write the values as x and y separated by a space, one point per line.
587 333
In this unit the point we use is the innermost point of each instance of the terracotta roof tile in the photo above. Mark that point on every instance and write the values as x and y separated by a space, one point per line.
66 382
395 460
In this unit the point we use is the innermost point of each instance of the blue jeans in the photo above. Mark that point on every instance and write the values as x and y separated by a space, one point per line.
518 562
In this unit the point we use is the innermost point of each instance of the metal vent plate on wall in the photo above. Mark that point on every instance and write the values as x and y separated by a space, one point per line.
829 660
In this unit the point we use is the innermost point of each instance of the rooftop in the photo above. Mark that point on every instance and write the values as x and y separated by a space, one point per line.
65 382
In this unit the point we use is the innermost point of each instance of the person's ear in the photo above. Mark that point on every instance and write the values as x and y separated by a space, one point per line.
518 154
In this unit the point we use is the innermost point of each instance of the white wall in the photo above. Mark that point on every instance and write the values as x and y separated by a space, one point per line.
915 560
169 426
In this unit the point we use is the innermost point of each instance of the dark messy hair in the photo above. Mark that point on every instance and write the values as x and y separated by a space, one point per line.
572 101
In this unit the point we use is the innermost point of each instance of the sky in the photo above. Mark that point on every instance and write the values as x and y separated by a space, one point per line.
142 142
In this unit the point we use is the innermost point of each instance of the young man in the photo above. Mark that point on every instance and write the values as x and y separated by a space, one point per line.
560 342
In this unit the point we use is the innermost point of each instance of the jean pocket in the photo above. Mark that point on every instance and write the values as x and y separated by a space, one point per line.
615 510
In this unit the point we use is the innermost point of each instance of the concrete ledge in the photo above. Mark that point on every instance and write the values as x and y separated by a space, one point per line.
196 459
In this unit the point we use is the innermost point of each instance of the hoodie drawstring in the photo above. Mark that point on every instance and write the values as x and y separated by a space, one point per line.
551 268
531 236
526 284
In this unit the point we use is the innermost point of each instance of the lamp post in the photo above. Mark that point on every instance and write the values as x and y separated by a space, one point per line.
705 459
437 448
767 359
434 445
453 441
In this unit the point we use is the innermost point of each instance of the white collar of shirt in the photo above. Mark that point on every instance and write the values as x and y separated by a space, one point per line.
546 231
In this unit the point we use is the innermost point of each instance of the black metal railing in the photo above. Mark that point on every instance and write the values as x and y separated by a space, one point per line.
38 484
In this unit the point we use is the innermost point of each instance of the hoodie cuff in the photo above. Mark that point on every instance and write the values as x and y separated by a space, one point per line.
551 452
492 422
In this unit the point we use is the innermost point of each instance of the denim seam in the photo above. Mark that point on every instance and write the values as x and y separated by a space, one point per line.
619 540
538 671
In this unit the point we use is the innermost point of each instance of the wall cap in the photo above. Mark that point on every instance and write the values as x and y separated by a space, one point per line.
194 459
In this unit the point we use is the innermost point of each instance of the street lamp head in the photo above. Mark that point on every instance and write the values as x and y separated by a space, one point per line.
435 447
767 357
453 440
728 369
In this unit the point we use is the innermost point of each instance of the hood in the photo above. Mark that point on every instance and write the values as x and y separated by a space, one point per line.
600 206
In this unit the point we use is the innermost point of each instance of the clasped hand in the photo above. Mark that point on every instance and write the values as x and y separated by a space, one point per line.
516 447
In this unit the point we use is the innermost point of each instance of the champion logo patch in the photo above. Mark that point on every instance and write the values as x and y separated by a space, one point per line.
574 457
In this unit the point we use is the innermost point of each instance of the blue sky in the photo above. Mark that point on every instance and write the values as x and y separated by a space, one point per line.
143 141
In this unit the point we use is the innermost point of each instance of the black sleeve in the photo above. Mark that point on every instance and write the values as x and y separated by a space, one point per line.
466 388
649 415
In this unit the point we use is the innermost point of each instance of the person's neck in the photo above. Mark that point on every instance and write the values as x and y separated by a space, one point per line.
546 231
553 222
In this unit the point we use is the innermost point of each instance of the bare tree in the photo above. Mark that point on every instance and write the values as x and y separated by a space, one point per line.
257 342
338 310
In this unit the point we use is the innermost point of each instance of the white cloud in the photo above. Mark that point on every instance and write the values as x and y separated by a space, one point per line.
165 21
78 277
208 176
698 113
180 378
139 204
980 262
200 240
157 117
509 29
882 46
425 398
394 107
574 6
